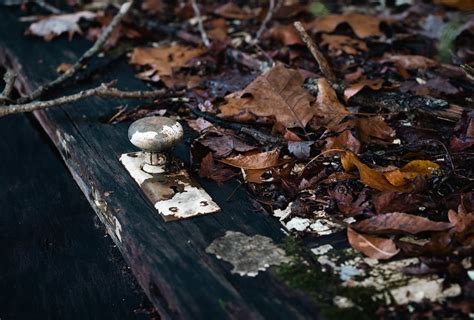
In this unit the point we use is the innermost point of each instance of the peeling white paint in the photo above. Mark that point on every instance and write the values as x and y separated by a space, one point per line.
298 224
133 163
343 302
419 289
283 214
325 248
191 202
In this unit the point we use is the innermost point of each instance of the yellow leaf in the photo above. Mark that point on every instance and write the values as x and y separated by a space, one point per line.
410 171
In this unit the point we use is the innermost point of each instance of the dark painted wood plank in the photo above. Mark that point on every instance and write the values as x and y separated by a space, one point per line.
56 260
168 259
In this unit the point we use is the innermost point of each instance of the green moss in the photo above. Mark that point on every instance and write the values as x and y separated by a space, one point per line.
305 274
318 9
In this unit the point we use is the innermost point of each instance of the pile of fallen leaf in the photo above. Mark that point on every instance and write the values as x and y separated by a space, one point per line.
384 153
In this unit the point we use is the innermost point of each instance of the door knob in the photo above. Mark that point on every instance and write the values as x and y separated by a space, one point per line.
173 192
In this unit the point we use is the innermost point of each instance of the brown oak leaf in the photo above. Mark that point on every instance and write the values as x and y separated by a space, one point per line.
277 93
372 247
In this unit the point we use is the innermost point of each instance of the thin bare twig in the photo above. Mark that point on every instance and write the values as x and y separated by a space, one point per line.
273 7
104 90
83 59
317 54
9 79
47 6
197 12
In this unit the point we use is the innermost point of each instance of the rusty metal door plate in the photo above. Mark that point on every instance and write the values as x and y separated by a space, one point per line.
173 193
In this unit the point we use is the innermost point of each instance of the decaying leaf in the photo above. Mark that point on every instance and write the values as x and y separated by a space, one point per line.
277 93
328 110
345 141
340 43
399 222
410 61
464 132
410 171
375 84
286 34
362 25
231 10
224 145
211 170
164 60
392 180
55 25
369 176
256 164
373 247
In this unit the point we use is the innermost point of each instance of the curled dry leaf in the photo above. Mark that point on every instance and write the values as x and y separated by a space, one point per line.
372 128
222 146
199 125
277 93
464 132
399 222
209 169
254 165
340 43
345 141
164 60
286 34
375 84
55 25
369 176
231 10
362 25
410 171
463 221
373 247
329 111
410 61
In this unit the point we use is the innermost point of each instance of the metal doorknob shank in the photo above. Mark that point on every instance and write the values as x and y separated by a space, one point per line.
154 135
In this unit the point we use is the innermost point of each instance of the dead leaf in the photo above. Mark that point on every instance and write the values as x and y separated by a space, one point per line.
345 141
55 25
255 165
262 160
231 10
368 176
375 84
340 43
224 145
200 124
286 34
301 149
410 61
399 222
372 128
362 25
463 136
328 110
277 93
164 60
209 169
463 221
372 247
410 171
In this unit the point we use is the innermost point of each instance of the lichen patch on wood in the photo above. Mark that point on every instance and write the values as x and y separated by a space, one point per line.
247 254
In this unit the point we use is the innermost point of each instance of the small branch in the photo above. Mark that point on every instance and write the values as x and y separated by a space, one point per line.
9 79
104 90
271 10
47 6
317 54
83 59
197 12
257 135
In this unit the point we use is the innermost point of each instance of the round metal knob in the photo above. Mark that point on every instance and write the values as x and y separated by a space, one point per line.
154 135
